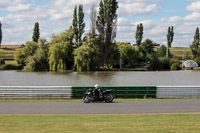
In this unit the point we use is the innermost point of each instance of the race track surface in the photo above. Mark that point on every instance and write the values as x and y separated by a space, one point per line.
134 107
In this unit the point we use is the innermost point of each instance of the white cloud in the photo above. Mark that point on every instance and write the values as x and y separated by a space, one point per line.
147 24
5 3
195 16
140 1
123 22
134 9
34 14
195 7
20 7
175 19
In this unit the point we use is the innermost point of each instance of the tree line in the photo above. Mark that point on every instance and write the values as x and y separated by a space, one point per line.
98 49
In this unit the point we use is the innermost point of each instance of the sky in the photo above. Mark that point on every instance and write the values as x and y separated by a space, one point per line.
55 16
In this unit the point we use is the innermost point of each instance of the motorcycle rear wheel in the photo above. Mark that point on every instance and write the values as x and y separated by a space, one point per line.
109 98
86 99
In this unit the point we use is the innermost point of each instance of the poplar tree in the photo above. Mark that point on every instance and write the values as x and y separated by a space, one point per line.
93 18
101 21
106 26
36 32
170 36
75 26
81 24
196 37
0 33
195 46
139 34
78 24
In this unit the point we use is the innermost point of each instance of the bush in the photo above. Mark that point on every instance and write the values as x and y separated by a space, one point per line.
173 61
11 67
2 62
175 66
165 62
155 63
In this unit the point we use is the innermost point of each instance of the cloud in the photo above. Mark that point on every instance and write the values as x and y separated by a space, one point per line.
140 1
175 19
139 8
5 3
195 16
195 7
34 14
20 7
147 24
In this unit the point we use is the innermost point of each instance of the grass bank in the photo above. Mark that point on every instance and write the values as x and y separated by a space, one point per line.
80 100
156 123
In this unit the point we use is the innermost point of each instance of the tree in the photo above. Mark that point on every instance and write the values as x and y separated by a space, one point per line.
170 36
22 54
61 51
146 48
128 54
139 34
106 26
162 52
0 34
155 63
100 23
85 58
110 15
36 32
195 46
39 61
78 25
81 24
93 18
196 36
75 26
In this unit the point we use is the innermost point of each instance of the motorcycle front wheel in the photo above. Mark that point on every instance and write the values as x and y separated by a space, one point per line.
108 98
86 99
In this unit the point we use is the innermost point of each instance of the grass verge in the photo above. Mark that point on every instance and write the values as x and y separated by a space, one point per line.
80 100
155 123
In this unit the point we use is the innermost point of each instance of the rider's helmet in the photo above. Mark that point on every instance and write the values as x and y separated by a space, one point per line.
96 86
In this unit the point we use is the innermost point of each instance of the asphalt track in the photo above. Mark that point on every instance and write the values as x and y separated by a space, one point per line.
134 107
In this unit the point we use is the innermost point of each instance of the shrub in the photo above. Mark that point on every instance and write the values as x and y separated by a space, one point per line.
175 66
155 63
2 62
11 67
165 62
173 61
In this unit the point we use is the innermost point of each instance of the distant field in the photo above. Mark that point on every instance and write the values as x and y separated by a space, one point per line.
10 46
148 123
181 52
7 52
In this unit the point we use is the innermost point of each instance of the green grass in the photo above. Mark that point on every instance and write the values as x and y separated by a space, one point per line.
80 100
151 123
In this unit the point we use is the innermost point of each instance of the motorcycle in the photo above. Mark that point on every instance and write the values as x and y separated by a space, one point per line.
91 96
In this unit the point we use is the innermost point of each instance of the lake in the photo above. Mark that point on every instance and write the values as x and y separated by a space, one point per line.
111 78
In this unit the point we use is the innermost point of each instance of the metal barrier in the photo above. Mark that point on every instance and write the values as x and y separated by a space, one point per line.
77 92
35 92
119 91
178 92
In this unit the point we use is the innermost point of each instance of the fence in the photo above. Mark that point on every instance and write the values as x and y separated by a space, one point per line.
178 92
35 92
120 91
77 92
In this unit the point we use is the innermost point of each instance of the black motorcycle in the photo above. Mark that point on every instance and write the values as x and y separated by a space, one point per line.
92 96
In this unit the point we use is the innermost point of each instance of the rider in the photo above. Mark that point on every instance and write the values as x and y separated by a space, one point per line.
98 91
